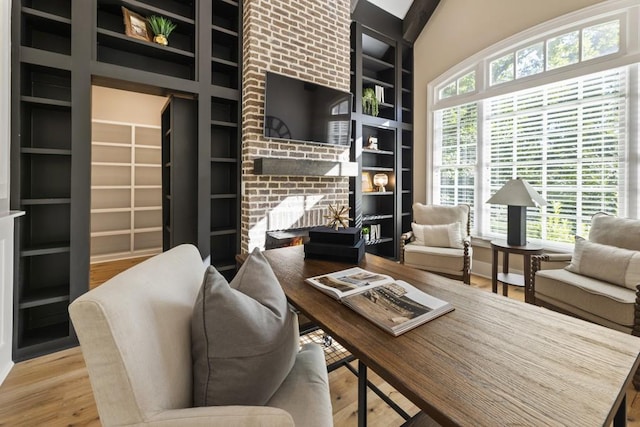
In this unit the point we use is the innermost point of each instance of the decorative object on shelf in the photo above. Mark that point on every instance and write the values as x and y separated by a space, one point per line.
379 93
370 102
517 194
367 184
135 25
374 233
161 28
372 143
338 217
380 180
365 233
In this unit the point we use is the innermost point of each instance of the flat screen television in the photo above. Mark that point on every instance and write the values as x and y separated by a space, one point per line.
297 110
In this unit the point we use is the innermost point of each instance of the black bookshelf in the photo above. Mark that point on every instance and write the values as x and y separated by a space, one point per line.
382 59
62 48
179 173
225 149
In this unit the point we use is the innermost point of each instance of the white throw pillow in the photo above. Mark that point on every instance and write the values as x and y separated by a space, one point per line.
441 235
609 263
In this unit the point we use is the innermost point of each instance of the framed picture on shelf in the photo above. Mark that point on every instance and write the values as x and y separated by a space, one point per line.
135 25
367 183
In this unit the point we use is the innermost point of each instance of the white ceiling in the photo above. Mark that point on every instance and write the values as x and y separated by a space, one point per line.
397 8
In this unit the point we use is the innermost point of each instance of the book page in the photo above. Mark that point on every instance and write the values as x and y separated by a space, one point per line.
397 307
347 282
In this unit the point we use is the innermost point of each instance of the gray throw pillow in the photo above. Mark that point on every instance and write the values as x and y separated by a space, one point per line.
244 337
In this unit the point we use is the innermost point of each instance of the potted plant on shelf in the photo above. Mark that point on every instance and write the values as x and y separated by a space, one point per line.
369 101
365 233
161 28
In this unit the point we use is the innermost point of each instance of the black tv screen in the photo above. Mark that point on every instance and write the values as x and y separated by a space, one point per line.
302 111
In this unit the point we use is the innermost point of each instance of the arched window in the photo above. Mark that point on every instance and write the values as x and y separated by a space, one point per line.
556 105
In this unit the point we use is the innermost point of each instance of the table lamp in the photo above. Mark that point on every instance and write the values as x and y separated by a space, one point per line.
380 180
517 194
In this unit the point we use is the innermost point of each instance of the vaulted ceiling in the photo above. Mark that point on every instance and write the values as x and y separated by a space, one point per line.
413 13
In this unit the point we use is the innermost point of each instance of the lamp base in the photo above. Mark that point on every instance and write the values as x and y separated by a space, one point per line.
516 225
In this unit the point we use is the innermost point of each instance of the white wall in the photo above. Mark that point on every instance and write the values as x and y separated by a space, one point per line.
124 106
6 219
457 30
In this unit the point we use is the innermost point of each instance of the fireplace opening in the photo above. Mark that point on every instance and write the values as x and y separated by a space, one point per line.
283 238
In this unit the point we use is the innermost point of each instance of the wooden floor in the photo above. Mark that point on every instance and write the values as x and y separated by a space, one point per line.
54 390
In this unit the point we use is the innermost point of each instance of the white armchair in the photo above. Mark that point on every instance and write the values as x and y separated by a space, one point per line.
602 282
135 335
440 241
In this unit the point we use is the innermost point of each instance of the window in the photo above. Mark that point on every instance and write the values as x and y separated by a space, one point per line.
550 114
566 139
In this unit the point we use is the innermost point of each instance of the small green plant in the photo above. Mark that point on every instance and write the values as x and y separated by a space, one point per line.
369 102
161 28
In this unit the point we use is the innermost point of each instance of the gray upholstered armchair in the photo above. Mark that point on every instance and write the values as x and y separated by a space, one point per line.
440 241
601 283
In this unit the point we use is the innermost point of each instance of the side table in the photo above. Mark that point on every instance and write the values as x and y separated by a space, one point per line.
507 278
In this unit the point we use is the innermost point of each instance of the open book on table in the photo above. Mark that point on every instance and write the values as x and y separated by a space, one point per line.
394 305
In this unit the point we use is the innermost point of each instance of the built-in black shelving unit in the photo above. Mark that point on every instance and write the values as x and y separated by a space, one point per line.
225 135
383 63
406 139
62 48
179 172
41 176
178 59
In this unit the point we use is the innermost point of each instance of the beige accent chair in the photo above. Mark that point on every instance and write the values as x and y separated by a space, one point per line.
452 262
586 297
135 335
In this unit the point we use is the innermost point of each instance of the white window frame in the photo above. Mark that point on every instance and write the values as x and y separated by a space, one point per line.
627 11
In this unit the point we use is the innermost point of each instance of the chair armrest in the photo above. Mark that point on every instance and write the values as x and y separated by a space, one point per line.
404 239
536 265
227 416
555 257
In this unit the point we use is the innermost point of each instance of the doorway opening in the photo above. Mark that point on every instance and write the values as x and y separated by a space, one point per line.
126 180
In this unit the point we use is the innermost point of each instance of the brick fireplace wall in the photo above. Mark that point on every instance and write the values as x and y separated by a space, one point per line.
308 40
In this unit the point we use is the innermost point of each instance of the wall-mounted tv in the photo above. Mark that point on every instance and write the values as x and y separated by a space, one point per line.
297 110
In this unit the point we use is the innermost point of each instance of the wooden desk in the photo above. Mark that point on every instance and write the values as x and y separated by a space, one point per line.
507 278
492 361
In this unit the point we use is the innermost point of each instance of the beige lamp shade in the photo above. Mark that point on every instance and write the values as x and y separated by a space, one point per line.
517 192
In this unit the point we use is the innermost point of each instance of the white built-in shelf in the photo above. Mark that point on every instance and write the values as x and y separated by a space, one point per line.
126 190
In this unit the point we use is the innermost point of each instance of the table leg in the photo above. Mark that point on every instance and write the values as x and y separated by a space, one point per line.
505 270
620 418
362 394
494 271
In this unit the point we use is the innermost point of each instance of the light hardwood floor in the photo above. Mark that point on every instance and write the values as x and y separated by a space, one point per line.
54 390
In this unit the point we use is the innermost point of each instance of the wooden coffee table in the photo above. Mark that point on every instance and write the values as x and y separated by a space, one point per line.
492 361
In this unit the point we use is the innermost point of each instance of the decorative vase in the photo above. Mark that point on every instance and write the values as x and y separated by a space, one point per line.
161 39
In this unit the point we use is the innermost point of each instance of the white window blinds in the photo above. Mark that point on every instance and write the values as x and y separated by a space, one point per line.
455 163
568 140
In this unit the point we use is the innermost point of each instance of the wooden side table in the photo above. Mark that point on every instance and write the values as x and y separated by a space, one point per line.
507 278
